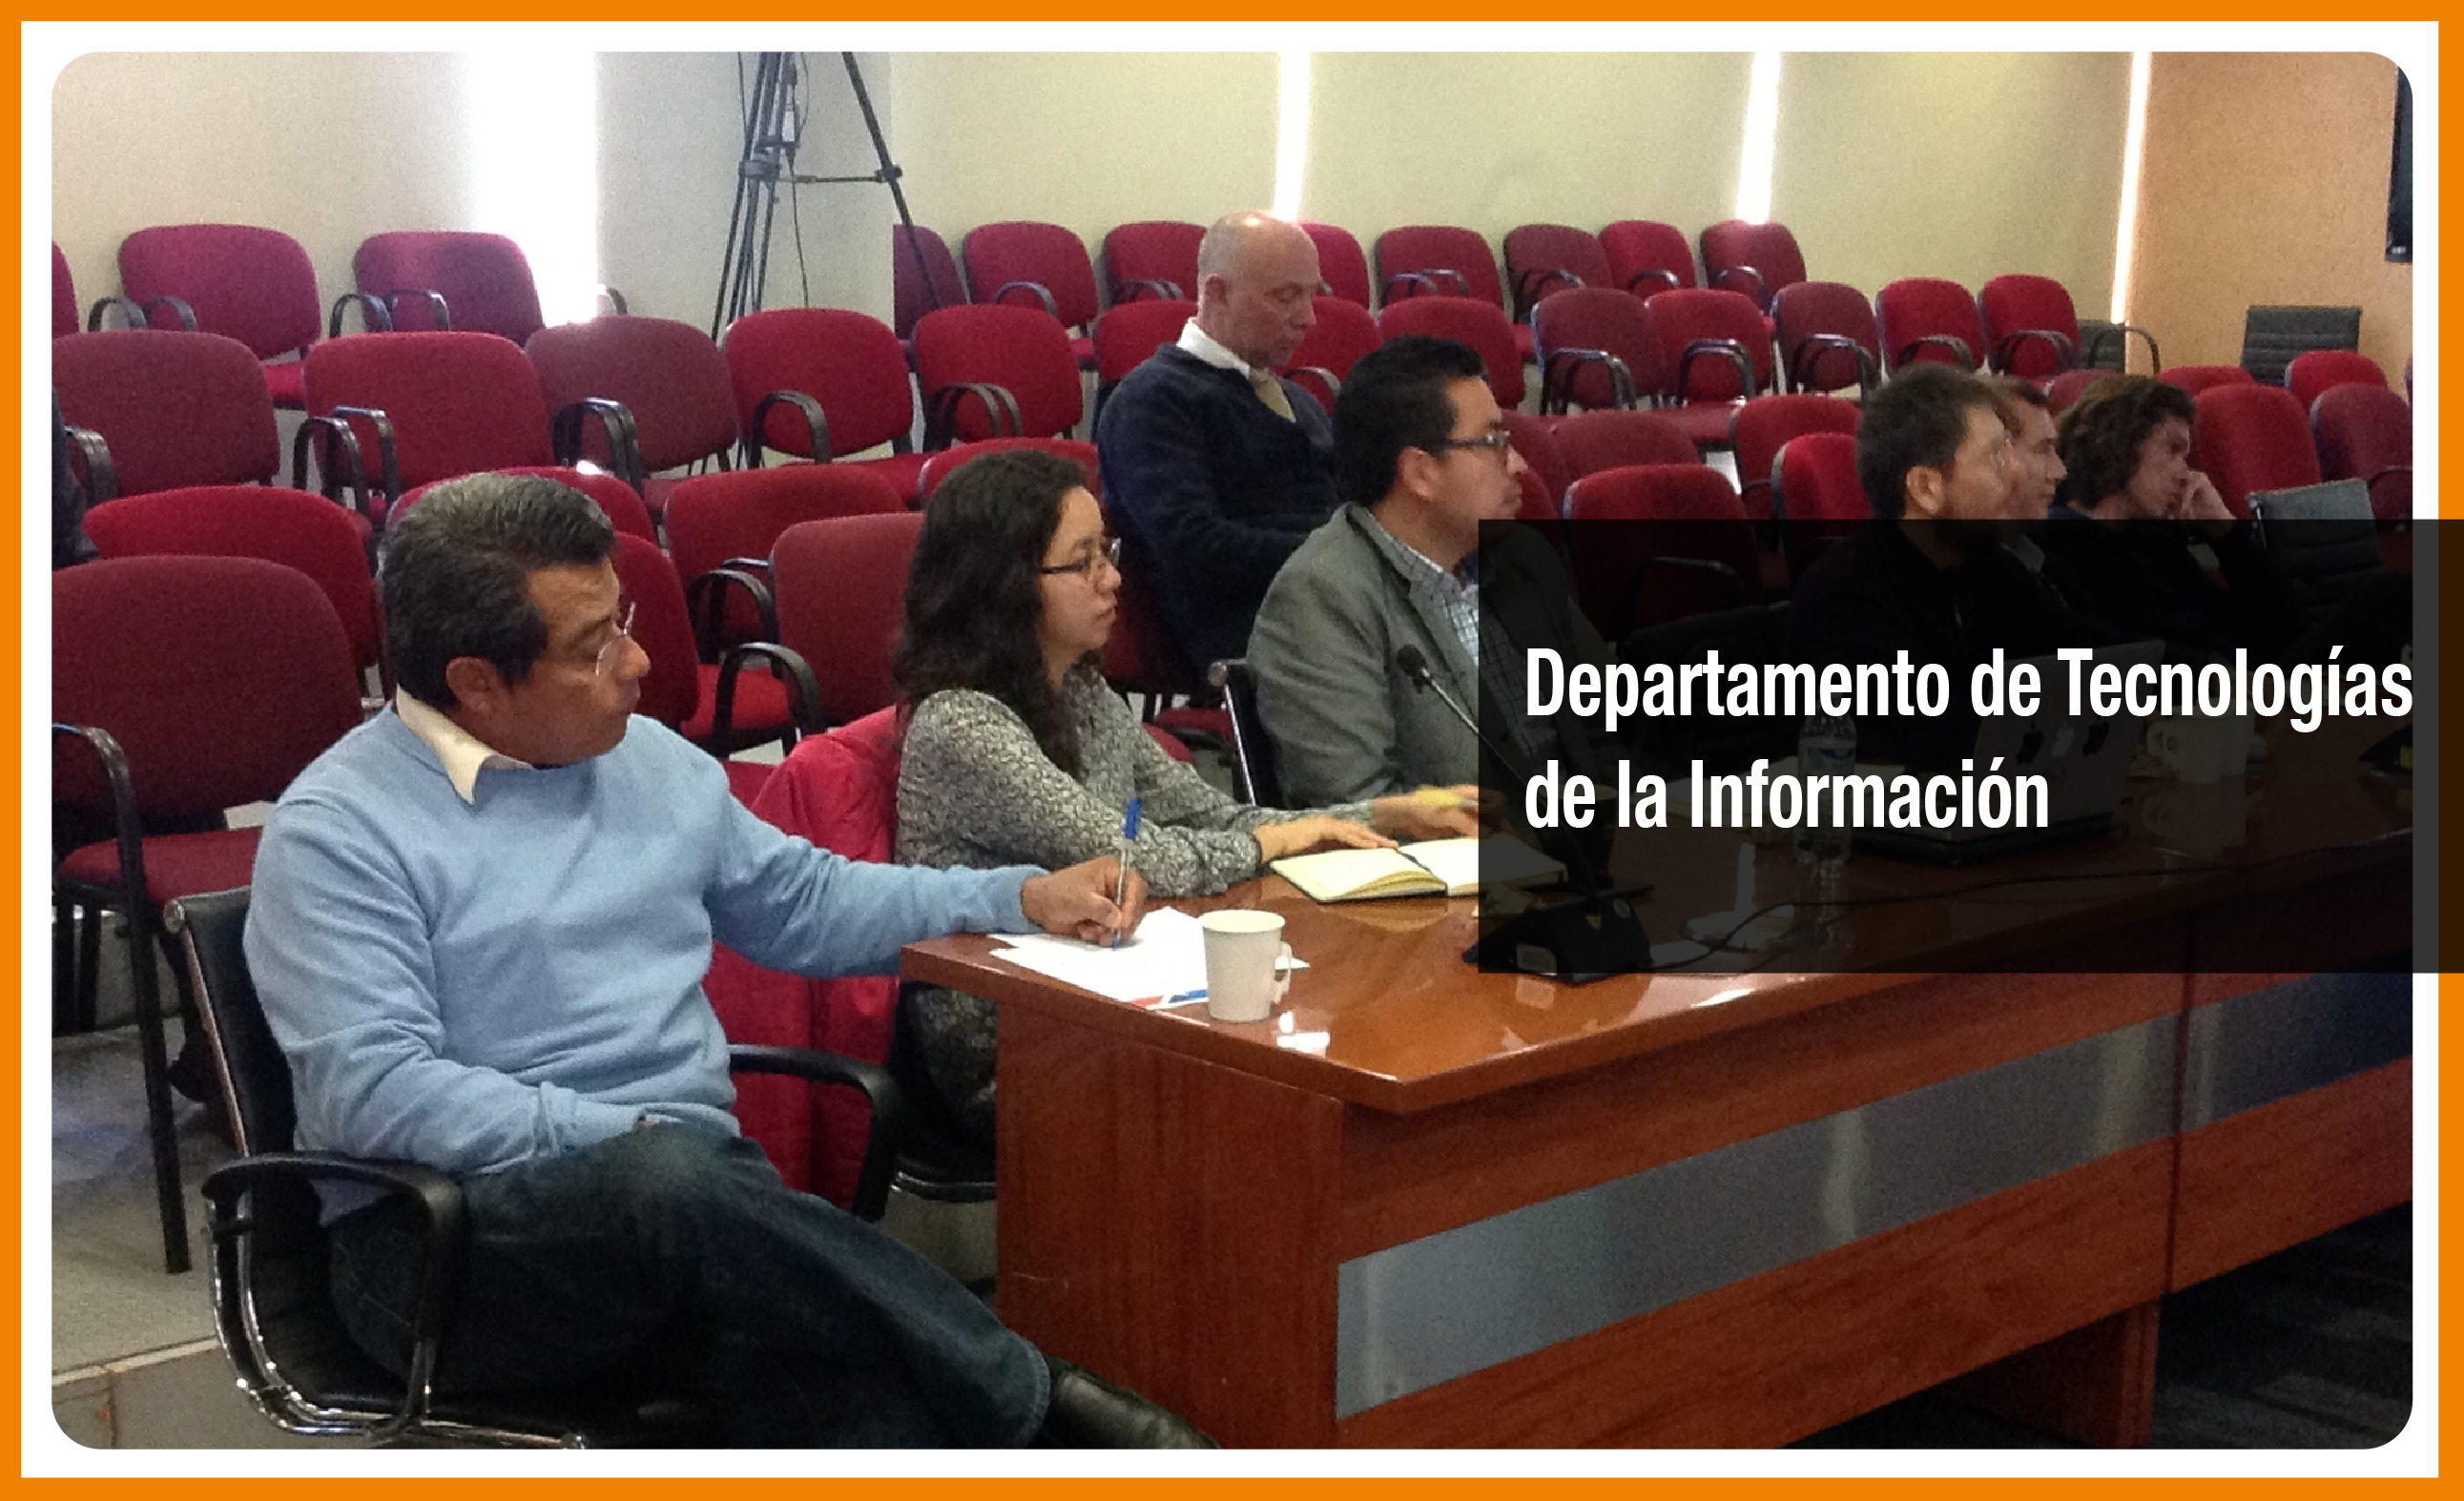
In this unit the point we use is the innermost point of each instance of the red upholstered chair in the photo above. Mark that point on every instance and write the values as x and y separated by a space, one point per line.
1596 350
731 519
719 705
2065 388
1828 339
993 372
2314 372
64 301
1536 504
2363 433
1716 349
245 283
1590 442
290 527
181 687
842 590
1697 553
667 374
1473 321
1765 425
940 464
916 291
484 279
1648 256
1929 320
1536 440
1757 259
2253 438
1814 478
175 408
823 384
1420 260
1344 331
2196 378
2031 328
1543 259
1342 270
1127 333
1153 258
1027 263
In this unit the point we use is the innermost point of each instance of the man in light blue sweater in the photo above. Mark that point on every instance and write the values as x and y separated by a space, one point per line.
480 927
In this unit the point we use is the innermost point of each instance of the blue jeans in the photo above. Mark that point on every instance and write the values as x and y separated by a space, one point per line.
676 1252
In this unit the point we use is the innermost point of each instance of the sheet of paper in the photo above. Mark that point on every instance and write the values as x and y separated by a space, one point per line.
1166 957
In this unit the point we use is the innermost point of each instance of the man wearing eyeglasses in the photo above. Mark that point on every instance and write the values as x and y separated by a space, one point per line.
1421 458
479 929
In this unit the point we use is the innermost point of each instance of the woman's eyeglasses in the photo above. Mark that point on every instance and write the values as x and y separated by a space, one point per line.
1108 553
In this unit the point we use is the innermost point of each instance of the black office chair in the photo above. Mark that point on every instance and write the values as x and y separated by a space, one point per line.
273 1310
934 1155
1253 756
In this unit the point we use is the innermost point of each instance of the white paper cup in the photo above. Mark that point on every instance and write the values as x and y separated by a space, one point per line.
1248 965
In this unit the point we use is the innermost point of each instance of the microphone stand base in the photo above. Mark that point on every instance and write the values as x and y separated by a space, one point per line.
1575 942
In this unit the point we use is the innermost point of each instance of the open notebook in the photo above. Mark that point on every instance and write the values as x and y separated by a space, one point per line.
1430 869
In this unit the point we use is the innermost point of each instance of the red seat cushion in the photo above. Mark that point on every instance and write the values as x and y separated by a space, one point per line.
283 383
1705 423
903 470
760 703
176 864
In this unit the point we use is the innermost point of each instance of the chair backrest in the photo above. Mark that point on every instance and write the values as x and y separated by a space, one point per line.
251 1072
1480 324
1000 256
1151 250
842 590
1646 257
458 401
1254 779
1128 333
1435 251
1340 264
1699 552
221 678
742 512
296 530
667 375
245 283
913 291
2031 326
2253 438
1765 425
175 408
484 279
848 362
671 689
1536 440
2065 388
2272 335
64 298
2360 430
2314 371
1654 492
1929 321
940 466
1024 351
1756 259
1611 440
1344 331
2196 378
1814 478
1811 319
1544 259
621 503
1688 317
1601 320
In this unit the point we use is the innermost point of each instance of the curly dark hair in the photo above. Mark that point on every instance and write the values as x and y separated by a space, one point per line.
2102 431
974 598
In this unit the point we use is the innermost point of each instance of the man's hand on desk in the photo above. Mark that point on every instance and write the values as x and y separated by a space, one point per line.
1431 813
1076 902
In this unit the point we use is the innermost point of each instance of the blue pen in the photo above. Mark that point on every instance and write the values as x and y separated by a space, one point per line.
1121 880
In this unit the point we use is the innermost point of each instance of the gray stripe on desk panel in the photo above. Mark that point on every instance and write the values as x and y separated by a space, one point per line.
1413 1315
2264 1046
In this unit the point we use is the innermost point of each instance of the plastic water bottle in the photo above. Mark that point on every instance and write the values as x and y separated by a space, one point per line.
1826 746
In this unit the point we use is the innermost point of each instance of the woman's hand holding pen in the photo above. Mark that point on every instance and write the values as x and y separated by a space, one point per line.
1432 812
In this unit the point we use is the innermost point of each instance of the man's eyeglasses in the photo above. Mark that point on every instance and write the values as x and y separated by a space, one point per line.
1496 442
614 650
1109 554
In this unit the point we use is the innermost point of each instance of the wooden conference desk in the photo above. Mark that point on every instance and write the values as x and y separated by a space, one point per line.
1425 1205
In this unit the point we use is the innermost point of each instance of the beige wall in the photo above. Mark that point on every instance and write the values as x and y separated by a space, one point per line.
1963 165
2265 181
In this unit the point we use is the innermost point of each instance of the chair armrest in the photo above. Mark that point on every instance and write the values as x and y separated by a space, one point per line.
1950 341
941 413
1437 280
180 309
1557 377
128 838
1722 349
131 315
389 476
94 454
817 428
1326 379
1042 296
2122 333
1756 287
374 317
706 594
623 445
889 1108
2063 349
1814 350
439 315
1156 287
1666 279
804 693
615 300
1528 286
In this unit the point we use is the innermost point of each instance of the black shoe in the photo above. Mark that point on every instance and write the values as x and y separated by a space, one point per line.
1090 1412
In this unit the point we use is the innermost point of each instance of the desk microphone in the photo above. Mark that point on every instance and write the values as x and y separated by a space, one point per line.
1586 938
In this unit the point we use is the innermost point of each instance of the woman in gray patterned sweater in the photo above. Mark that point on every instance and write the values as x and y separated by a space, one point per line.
1017 752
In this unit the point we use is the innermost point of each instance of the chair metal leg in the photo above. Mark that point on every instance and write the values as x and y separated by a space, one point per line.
64 952
89 966
158 1095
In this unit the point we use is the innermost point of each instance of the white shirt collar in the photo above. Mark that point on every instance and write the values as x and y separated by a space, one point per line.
462 753
1196 342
